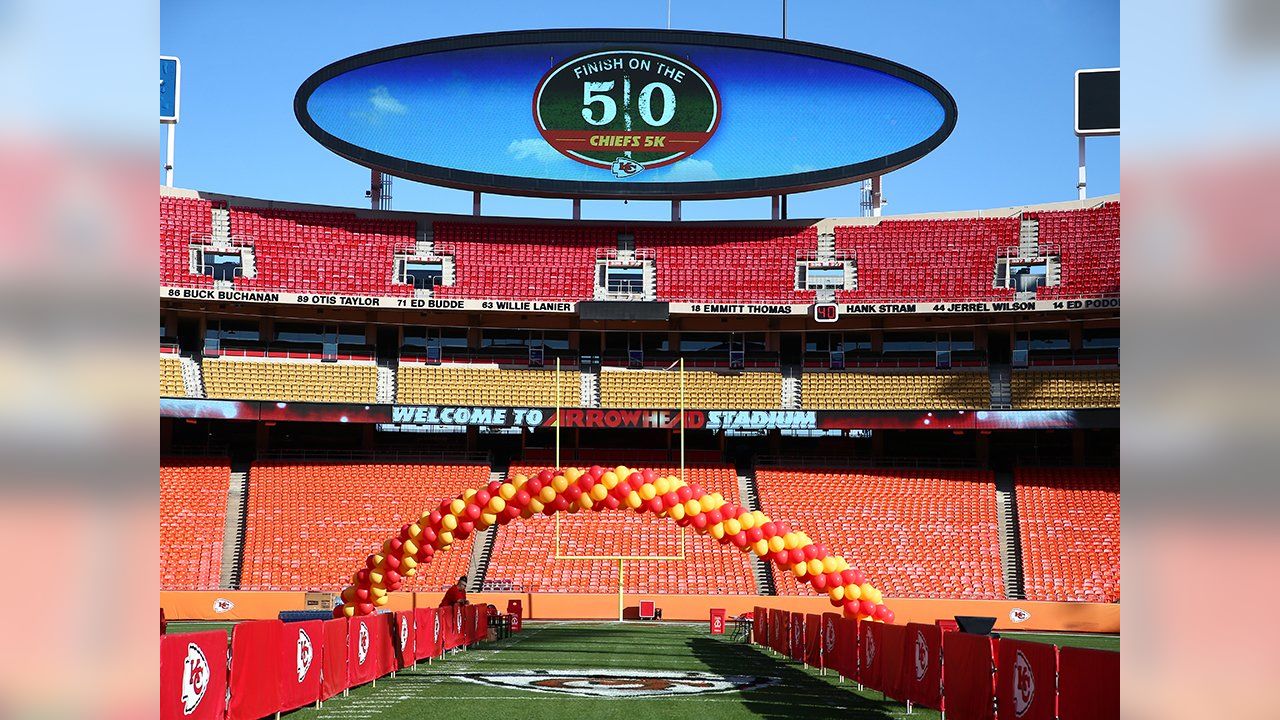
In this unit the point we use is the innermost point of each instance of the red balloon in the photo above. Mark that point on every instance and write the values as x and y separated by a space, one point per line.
699 521
781 558
809 551
429 535
612 502
847 577
684 493
390 577
404 532
866 607
696 490
461 533
472 512
364 608
395 545
522 497
546 476
510 512
648 475
493 487
370 563
596 471
586 482
769 529
534 486
851 608
889 617
755 534
434 518
572 493
882 613
819 581
783 526
481 498
670 499
740 540
654 505
835 602
424 553
858 577
392 562
834 579
796 555
820 551
362 594
560 504
714 516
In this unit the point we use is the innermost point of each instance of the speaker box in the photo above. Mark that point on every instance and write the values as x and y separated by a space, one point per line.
975 624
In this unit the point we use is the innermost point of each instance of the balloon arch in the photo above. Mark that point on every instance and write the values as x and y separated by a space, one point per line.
574 490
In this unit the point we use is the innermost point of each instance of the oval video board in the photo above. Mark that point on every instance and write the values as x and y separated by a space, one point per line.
658 114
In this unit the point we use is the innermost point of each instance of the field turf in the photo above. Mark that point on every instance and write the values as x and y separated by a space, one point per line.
453 686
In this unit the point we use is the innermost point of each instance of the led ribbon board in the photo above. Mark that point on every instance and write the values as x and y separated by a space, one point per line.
658 114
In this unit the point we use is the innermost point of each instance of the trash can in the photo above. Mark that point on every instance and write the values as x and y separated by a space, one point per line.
717 621
516 610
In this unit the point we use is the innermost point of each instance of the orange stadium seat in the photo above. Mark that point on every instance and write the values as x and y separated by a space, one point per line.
311 525
193 511
915 533
181 221
525 262
1089 245
524 552
1069 520
728 264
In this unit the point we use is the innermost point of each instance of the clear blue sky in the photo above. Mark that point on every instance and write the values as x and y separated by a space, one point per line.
1009 66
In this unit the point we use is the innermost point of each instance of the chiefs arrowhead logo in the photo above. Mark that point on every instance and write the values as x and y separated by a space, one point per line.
1018 615
625 167
922 656
457 618
195 678
797 635
1024 685
305 653
869 647
831 637
435 631
222 605
404 634
614 683
362 644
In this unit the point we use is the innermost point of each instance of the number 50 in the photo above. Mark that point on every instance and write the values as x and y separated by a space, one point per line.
594 92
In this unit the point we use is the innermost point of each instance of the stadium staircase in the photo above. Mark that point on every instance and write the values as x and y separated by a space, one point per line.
751 500
1010 537
1001 392
387 368
220 216
590 385
192 381
482 548
791 386
233 529
1029 238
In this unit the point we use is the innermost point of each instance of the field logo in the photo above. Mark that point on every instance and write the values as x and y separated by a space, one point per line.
626 110
195 678
404 634
1024 685
869 646
831 637
922 655
222 605
615 683
362 644
305 653
1018 615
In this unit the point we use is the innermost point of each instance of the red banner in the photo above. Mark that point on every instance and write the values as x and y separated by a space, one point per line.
827 638
1026 680
781 626
759 625
193 676
301 647
450 626
924 665
847 643
1088 684
369 651
333 656
894 652
404 639
427 635
813 640
795 645
255 669
872 655
969 687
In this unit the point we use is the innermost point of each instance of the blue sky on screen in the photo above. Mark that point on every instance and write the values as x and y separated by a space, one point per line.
1009 66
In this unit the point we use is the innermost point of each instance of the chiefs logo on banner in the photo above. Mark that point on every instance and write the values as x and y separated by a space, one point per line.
830 641
370 654
795 649
300 661
924 643
869 673
1026 679
193 675
405 650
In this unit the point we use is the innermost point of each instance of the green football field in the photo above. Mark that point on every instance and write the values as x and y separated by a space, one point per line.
614 670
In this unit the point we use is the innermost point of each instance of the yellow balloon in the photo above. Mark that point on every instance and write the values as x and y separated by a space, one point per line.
841 564
647 492
662 486
457 506
692 507
866 590
717 530
676 512
775 544
374 589
507 491
348 610
547 494
815 567
410 571
409 548
449 522
598 492
497 504
622 471
408 563
380 601
747 521
609 480
535 505
379 558
468 494
585 502
799 569
445 539
559 483
790 541
732 526
634 500
836 593
414 531
486 519
528 511
876 596
572 474
828 564
518 481
760 547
